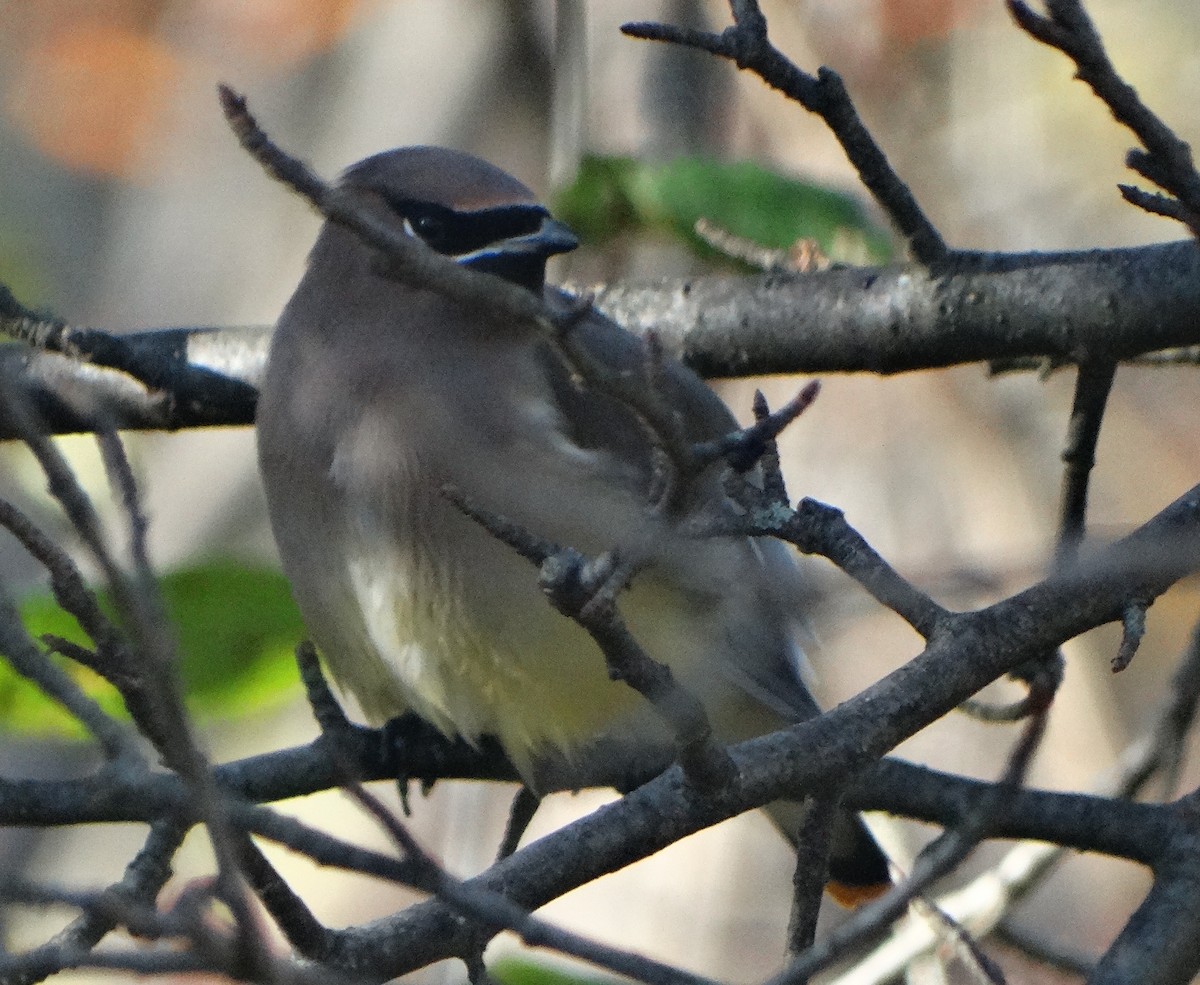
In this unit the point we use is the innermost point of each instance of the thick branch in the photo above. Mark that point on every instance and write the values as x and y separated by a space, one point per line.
1111 304
1068 307
1158 944
205 376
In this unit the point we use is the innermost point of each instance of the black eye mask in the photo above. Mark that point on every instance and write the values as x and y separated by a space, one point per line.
457 234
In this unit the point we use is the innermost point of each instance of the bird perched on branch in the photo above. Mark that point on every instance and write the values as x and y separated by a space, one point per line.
378 394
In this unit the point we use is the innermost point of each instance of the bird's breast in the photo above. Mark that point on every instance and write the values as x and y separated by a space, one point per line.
458 629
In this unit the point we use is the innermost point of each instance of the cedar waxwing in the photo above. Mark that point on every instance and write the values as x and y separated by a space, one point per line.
377 395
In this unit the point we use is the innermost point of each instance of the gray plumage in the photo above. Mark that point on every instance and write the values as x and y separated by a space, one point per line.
377 394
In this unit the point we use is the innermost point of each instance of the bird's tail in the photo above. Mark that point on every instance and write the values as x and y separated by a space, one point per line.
858 868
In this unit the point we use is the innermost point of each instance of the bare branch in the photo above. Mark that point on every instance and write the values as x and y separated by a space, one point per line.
1066 307
1166 160
811 872
745 448
816 528
1069 306
941 857
1133 628
747 44
494 912
145 875
81 376
291 914
1092 387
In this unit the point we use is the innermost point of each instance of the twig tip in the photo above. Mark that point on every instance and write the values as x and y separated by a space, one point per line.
232 101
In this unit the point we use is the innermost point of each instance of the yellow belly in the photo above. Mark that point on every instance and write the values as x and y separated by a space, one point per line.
531 677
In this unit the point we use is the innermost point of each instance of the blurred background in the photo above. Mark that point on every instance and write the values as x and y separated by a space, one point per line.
128 205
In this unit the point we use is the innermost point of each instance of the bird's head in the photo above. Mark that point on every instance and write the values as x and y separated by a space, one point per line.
467 210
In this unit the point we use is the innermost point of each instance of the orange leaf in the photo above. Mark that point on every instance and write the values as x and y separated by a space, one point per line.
907 22
279 33
93 96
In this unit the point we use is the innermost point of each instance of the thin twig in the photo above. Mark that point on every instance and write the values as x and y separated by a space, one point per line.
747 44
744 448
291 914
944 855
585 590
495 912
145 875
61 480
1093 384
120 474
23 655
816 528
813 843
406 258
113 660
524 806
1133 630
1166 159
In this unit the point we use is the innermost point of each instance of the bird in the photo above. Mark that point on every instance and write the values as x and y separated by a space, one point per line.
378 395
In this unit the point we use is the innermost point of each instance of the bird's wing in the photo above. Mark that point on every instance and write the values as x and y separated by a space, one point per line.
757 578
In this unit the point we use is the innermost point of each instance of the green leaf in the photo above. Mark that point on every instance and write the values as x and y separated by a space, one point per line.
612 195
511 970
236 628
598 203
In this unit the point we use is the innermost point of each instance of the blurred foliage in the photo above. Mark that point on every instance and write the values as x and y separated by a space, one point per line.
95 87
615 195
236 629
94 95
907 23
513 970
20 274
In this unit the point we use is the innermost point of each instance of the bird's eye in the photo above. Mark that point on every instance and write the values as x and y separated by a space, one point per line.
429 227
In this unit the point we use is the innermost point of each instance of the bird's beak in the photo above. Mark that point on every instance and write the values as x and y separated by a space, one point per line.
552 237
549 238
